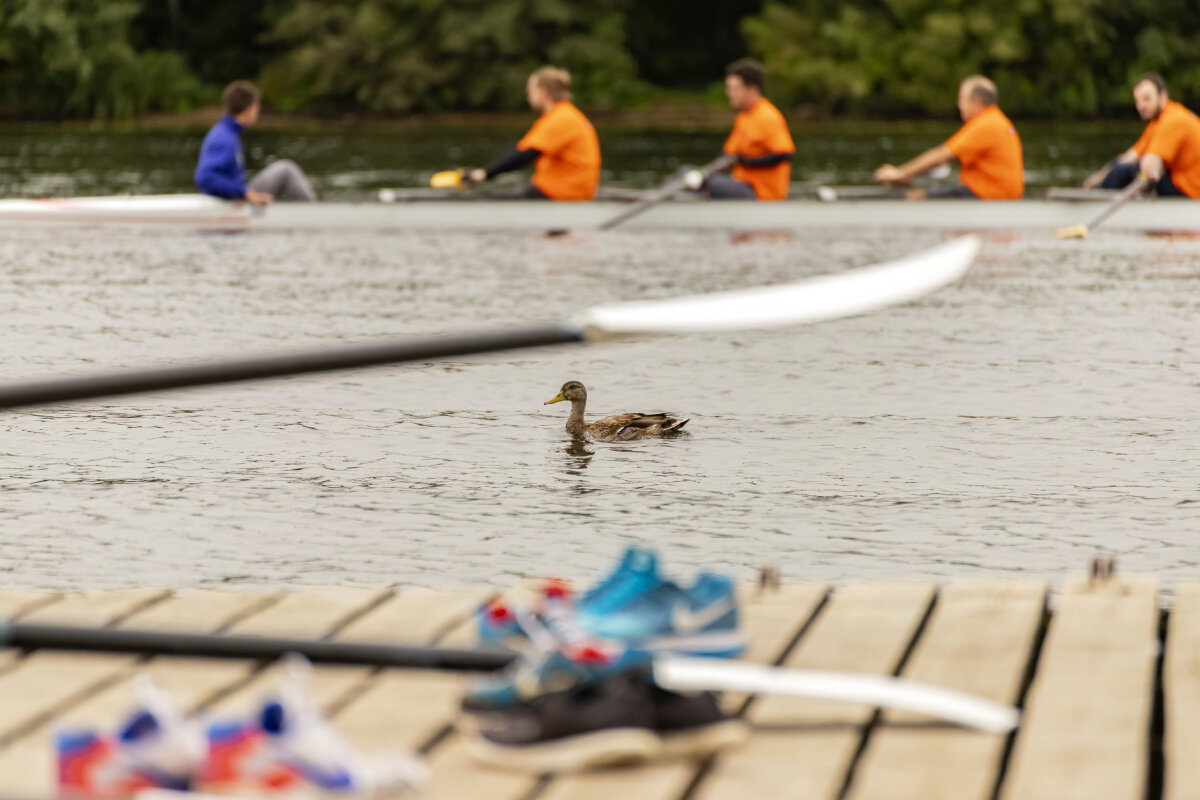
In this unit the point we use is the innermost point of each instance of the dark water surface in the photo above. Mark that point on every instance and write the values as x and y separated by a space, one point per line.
1037 413
354 162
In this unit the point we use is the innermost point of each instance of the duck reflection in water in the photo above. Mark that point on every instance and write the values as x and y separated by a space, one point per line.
579 455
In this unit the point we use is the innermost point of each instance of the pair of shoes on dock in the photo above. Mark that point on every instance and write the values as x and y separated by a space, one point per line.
286 746
581 692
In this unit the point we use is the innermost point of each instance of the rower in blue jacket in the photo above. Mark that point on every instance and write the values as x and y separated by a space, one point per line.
221 171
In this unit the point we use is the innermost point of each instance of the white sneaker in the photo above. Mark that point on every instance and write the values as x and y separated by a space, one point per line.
290 744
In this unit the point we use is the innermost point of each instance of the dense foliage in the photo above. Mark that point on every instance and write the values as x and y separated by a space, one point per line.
1064 58
1051 58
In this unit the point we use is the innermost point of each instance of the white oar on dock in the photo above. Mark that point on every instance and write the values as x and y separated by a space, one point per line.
884 691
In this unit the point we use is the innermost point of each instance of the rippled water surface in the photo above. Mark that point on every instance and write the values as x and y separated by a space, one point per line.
1035 414
352 162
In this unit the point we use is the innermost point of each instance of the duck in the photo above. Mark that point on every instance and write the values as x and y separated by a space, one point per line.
622 426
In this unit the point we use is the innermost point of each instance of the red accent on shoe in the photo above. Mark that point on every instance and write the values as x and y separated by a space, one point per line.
591 655
498 612
557 589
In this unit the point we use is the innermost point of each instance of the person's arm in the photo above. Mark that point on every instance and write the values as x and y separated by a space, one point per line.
209 177
512 160
767 160
1097 177
930 159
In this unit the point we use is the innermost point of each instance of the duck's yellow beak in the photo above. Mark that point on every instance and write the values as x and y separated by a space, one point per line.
558 398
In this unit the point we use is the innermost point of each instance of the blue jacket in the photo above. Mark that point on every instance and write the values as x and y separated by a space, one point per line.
220 171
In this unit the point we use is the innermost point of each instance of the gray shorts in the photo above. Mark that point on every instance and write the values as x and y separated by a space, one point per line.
284 180
721 185
952 192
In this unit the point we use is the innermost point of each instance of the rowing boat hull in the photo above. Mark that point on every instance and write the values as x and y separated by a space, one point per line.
951 215
208 213
192 211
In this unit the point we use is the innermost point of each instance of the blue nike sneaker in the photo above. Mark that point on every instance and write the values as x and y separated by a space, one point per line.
660 616
497 623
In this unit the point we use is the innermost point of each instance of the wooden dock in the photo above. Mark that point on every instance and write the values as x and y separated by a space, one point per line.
1110 684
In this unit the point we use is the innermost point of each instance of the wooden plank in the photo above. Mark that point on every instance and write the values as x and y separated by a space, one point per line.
97 608
1181 696
321 613
1087 724
979 639
457 776
38 683
417 614
27 764
14 603
402 707
807 745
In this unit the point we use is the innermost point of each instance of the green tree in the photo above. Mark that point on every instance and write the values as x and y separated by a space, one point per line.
430 55
1063 58
74 57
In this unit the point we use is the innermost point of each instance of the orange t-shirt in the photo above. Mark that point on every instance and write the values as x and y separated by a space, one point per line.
989 155
760 130
569 165
1174 136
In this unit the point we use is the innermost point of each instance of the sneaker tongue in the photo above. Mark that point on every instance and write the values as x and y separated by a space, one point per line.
644 562
273 719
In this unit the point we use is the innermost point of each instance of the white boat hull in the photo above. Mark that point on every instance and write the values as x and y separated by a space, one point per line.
950 215
208 213
185 210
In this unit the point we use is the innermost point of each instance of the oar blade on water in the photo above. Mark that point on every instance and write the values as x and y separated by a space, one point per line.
1128 193
1072 232
828 297
814 300
447 179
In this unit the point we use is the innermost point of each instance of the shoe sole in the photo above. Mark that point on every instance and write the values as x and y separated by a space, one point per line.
573 753
703 741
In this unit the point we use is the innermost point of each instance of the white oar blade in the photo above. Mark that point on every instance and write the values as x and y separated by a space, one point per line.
828 297
710 674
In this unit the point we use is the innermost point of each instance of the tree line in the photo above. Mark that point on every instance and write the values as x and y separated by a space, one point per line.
1050 58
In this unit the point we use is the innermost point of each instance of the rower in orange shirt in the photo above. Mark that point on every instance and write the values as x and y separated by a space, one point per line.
562 142
760 142
1168 152
988 149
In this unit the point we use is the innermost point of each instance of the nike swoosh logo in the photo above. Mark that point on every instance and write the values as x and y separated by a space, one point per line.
687 621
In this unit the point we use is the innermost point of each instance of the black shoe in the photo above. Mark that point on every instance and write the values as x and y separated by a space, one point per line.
693 725
620 718
610 721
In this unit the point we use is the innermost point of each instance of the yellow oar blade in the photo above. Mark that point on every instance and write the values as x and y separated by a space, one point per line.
1072 232
447 179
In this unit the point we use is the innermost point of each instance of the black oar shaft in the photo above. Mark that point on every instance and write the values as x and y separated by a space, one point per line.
90 387
106 640
669 190
1124 197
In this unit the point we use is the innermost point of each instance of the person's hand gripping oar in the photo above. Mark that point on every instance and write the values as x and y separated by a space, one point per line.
461 178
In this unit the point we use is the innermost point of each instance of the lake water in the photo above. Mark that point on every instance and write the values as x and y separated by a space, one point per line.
1037 413
354 162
